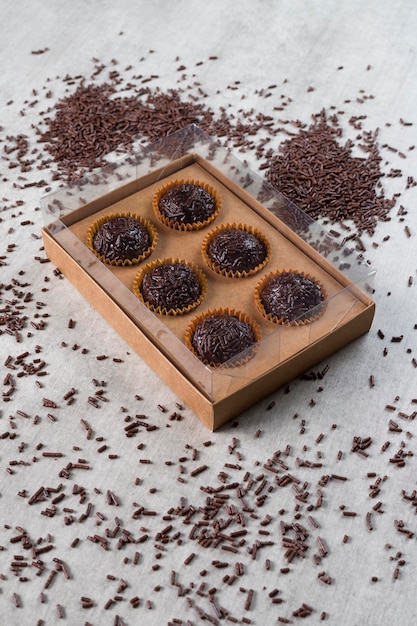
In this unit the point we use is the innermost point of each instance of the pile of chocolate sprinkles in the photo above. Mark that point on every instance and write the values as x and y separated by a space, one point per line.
96 120
244 524
325 179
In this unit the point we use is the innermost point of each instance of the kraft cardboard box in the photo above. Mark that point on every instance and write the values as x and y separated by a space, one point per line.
297 243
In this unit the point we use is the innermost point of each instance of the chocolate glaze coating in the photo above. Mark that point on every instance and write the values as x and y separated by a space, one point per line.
236 250
218 338
171 286
187 203
290 296
121 238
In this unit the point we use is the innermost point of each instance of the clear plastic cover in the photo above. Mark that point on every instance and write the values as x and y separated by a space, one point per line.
348 277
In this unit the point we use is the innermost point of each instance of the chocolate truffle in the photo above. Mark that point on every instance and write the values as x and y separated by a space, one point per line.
171 286
220 337
236 251
186 204
120 238
291 296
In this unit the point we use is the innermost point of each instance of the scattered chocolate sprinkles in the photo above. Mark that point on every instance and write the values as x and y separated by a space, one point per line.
234 516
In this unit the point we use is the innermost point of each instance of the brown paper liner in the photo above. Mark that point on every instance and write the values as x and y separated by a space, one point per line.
179 225
229 273
233 361
153 234
161 310
283 321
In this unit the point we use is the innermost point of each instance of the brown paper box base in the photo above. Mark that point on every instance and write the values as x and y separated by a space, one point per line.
290 351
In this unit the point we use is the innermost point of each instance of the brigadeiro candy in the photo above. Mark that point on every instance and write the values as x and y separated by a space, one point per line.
186 204
290 297
122 238
170 286
236 250
223 336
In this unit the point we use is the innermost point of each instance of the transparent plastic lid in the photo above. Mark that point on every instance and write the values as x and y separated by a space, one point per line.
348 278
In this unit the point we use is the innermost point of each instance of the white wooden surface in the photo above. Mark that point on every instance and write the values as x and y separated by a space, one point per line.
295 44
